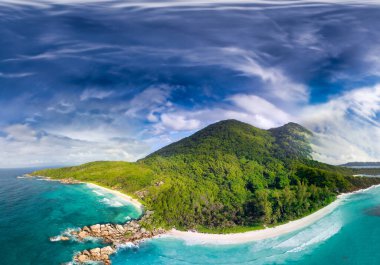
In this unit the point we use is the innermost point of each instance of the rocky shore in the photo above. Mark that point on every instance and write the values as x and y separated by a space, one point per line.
69 181
63 181
114 235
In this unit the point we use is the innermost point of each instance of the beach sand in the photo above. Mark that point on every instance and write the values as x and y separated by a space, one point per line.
119 194
239 238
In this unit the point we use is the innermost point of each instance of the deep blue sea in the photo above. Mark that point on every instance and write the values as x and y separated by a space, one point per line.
32 211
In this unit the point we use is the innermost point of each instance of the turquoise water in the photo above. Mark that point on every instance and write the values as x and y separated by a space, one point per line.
31 211
349 235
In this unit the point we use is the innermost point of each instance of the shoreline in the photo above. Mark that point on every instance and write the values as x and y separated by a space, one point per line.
237 238
118 194
255 235
91 185
244 237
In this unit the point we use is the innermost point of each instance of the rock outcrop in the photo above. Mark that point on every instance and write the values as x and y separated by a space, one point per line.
95 254
69 181
114 235
63 181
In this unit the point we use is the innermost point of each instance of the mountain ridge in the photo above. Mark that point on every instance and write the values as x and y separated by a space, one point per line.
296 132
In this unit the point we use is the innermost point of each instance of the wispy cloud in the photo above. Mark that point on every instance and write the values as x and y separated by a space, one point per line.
179 122
62 107
95 94
93 83
263 113
39 148
148 102
347 126
275 83
248 108
15 75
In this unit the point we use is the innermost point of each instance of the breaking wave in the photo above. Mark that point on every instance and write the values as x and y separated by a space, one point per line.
66 233
127 245
312 235
98 192
55 238
112 203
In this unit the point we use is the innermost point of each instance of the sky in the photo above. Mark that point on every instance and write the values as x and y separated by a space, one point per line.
115 80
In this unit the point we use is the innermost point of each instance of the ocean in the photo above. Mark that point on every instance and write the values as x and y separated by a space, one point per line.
32 211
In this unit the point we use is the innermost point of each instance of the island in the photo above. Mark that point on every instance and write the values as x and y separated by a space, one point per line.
362 164
229 177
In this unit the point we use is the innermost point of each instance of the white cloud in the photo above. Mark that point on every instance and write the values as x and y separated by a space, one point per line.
247 108
226 4
24 146
152 117
179 122
263 113
62 107
275 83
347 126
65 50
373 59
278 84
20 132
95 93
150 100
90 133
15 75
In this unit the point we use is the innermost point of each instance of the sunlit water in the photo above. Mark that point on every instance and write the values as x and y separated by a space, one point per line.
32 211
349 235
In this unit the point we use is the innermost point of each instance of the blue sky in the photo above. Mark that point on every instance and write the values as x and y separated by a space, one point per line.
115 80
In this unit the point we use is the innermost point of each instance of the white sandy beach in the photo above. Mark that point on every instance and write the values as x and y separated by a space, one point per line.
119 194
239 238
235 238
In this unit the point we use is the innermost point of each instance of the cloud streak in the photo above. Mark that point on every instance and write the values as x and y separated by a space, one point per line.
95 94
347 126
24 146
95 85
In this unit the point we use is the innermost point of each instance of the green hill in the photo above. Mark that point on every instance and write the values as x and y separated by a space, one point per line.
229 176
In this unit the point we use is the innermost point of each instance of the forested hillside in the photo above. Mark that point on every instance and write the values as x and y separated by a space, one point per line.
230 176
